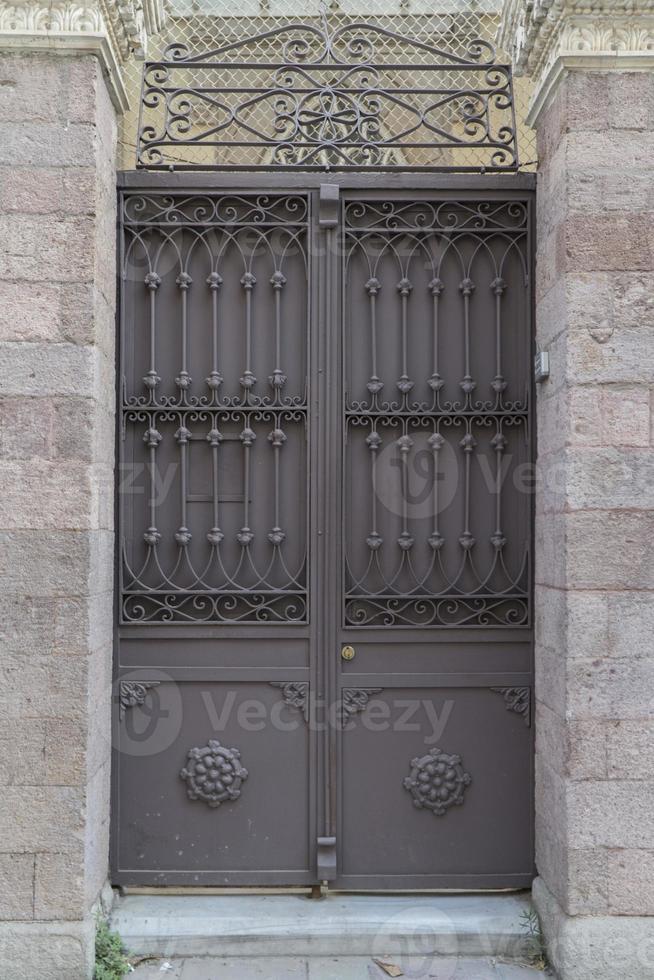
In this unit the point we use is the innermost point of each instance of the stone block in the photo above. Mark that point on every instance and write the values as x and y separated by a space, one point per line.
66 751
17 886
610 550
47 144
47 247
96 848
630 100
42 818
52 950
610 813
43 493
633 300
59 886
39 190
606 478
587 101
26 625
588 882
608 355
21 438
595 947
625 415
81 625
22 751
47 369
610 152
587 625
630 748
631 625
586 749
32 86
551 261
631 882
615 242
610 688
584 423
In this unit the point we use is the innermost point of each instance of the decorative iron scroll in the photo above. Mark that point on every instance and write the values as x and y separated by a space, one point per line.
437 450
214 404
321 98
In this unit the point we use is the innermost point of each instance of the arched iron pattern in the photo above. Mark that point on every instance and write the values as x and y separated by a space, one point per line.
214 403
341 99
436 426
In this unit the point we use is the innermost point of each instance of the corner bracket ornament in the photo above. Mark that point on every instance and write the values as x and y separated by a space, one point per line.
437 781
517 699
295 694
132 694
213 774
355 700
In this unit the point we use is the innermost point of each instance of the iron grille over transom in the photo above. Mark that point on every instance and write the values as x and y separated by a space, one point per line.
328 99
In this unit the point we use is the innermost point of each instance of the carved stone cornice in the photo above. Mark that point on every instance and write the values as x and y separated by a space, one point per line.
545 38
113 30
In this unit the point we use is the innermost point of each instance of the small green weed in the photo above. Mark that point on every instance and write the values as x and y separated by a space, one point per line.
110 960
536 952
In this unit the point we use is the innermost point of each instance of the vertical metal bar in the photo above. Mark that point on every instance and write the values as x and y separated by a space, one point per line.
214 381
435 382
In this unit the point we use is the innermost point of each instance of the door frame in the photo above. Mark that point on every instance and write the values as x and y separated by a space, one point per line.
323 671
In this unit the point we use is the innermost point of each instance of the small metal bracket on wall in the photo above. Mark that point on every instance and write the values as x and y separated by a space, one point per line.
326 858
541 366
328 206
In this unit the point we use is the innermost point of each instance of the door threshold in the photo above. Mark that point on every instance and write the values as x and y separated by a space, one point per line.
309 890
339 925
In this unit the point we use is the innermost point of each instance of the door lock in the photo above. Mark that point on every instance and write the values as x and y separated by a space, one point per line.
347 653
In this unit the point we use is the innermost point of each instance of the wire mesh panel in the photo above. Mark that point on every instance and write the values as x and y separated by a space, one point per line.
421 47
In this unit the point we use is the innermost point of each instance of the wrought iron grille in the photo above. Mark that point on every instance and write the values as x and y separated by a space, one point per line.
437 511
214 397
317 97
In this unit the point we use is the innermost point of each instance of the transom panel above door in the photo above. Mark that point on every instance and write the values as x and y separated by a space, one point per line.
323 667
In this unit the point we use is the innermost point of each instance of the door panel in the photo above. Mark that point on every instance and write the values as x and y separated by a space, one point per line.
479 830
325 441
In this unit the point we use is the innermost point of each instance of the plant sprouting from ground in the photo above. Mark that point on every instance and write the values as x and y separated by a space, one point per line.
110 960
536 952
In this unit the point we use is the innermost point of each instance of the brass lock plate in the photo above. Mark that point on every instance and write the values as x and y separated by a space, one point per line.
347 653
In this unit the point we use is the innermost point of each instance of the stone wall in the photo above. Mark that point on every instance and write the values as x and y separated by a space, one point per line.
57 308
595 521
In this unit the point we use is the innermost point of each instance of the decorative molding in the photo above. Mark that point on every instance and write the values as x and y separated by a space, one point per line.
546 38
132 694
517 699
437 781
115 31
354 700
295 694
213 774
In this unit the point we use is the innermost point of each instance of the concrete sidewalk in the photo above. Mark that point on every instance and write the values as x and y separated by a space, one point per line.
332 968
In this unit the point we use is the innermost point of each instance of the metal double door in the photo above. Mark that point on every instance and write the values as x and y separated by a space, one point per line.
323 665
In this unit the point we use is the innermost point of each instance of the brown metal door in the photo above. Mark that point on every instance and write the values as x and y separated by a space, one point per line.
323 665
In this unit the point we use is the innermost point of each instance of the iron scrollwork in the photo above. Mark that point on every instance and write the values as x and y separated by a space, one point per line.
133 693
438 389
218 392
344 98
518 700
295 694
